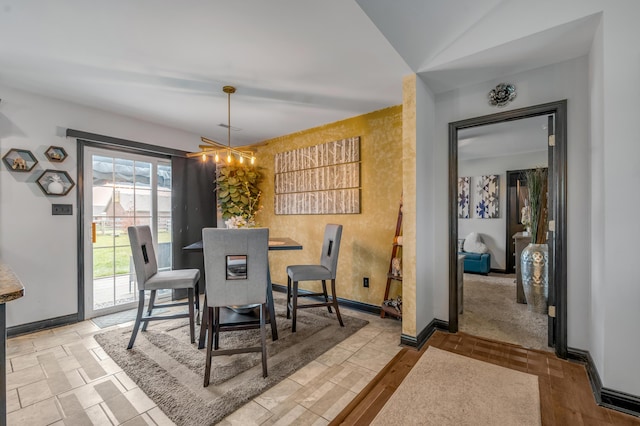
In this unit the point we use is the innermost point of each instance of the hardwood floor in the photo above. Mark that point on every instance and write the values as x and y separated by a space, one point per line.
565 393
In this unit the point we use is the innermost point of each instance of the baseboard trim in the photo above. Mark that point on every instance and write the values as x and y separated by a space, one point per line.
73 318
621 401
17 330
609 398
423 336
352 304
584 357
415 342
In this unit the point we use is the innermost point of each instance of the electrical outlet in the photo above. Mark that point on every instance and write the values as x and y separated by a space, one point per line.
365 281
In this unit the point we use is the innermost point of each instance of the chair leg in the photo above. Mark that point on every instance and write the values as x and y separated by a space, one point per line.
203 324
197 296
288 297
134 332
152 300
192 328
207 369
335 302
216 327
295 306
326 297
197 290
263 338
271 307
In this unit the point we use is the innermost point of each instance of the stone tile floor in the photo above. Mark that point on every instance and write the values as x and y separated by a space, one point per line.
63 377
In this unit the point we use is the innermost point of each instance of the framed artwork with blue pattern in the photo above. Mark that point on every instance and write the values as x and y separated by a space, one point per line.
463 197
488 192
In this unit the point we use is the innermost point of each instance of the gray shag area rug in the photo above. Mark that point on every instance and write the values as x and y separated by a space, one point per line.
170 370
491 311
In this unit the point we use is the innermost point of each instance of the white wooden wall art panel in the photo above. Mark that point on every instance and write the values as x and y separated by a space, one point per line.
320 179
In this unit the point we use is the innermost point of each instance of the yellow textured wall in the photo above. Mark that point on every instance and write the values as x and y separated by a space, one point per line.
409 206
366 237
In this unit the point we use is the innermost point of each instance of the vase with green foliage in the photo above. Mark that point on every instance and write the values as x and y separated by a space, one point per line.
238 194
534 260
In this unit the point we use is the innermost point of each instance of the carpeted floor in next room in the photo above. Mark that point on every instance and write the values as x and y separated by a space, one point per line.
491 311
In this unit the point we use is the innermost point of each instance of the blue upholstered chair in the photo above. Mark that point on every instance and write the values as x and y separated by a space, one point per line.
479 263
149 278
236 273
326 270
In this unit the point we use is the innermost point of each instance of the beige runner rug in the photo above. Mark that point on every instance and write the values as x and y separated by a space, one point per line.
444 388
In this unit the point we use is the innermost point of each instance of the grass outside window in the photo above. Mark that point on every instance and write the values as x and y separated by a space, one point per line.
104 249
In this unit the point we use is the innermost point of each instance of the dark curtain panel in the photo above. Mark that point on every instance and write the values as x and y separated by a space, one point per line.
193 208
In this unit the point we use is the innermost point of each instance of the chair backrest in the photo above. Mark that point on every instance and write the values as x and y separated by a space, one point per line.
331 248
236 265
144 255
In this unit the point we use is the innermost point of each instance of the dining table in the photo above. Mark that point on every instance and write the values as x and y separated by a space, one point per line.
247 317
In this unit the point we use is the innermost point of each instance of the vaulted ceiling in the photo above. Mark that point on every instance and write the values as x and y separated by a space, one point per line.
296 64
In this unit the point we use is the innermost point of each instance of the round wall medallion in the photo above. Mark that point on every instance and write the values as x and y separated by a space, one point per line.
502 94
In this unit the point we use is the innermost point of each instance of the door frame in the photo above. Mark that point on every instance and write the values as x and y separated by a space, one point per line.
558 207
87 247
89 140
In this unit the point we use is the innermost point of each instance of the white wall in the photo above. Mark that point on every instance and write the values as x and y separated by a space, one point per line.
566 80
426 244
618 286
494 231
39 247
598 287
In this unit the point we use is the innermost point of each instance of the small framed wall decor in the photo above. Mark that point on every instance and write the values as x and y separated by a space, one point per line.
19 160
56 154
55 182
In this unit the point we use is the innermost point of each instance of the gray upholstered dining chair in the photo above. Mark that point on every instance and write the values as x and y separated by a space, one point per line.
149 278
236 274
326 270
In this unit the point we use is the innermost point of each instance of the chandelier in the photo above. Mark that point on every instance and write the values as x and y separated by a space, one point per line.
218 150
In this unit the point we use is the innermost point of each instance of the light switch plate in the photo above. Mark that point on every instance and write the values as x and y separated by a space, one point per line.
61 209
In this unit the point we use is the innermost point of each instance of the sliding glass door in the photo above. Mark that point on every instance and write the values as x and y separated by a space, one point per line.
121 190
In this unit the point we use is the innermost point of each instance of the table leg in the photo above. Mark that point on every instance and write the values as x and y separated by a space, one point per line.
3 365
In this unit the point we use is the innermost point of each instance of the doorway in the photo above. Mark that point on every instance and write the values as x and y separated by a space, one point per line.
122 189
557 327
